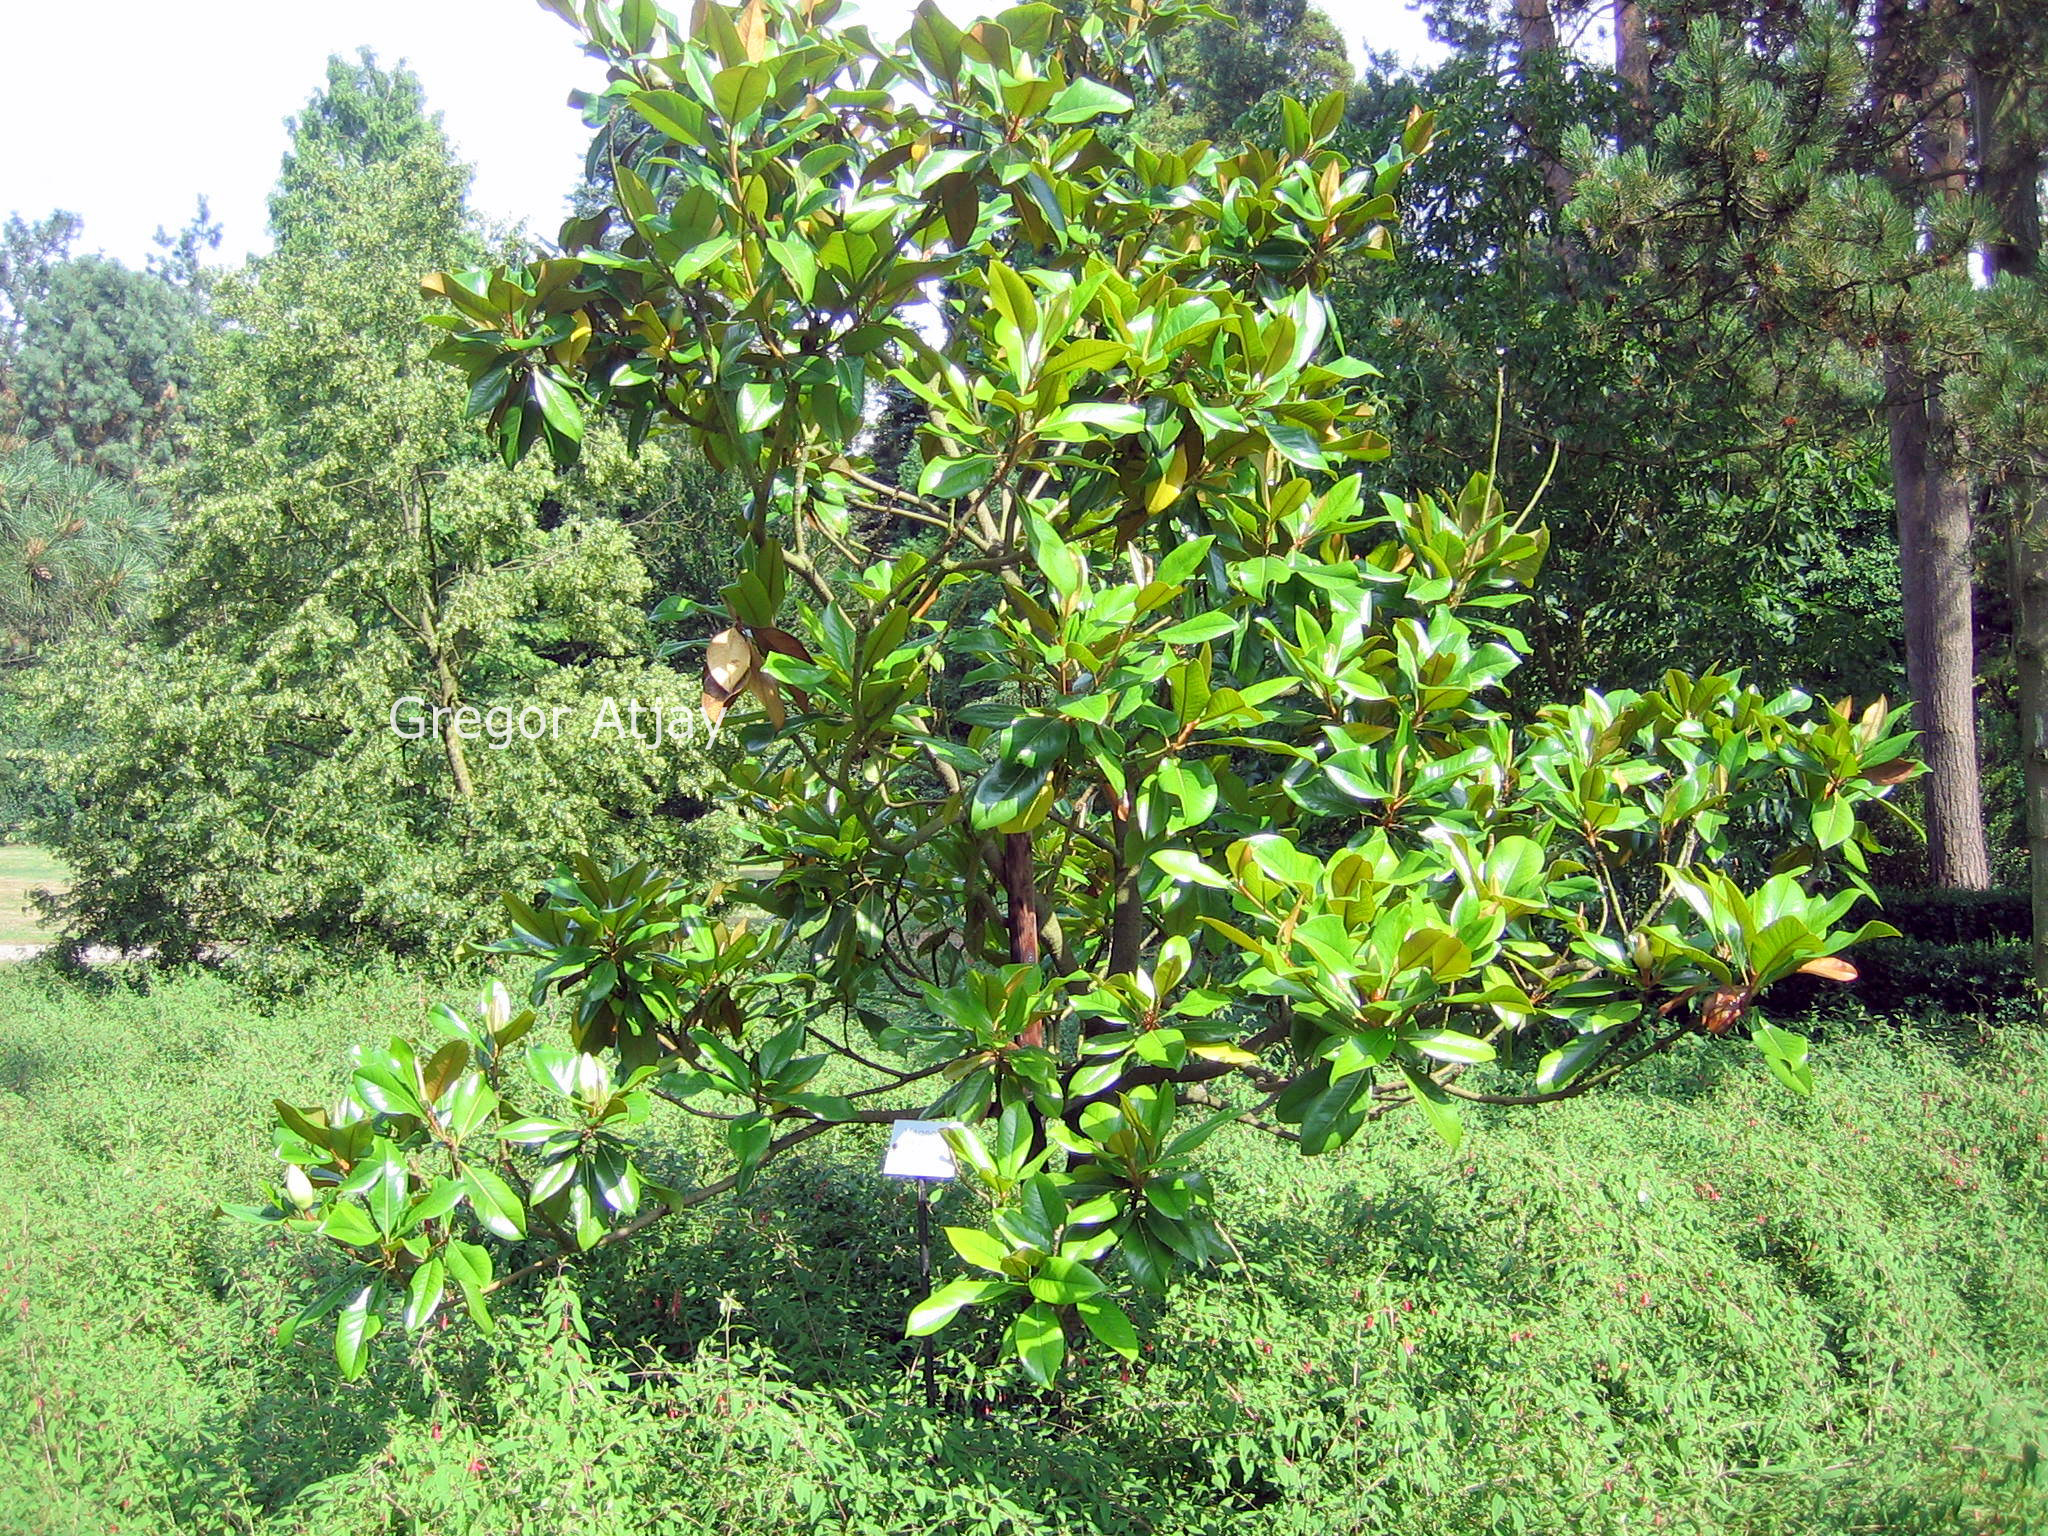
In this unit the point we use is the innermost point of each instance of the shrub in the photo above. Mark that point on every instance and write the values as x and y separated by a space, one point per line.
1695 1298
1236 823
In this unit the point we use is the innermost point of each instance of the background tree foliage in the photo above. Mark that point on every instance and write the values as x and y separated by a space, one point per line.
1214 70
95 356
77 549
1136 708
341 542
1717 489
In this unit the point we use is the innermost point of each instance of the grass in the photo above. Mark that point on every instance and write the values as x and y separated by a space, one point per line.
23 871
1695 1304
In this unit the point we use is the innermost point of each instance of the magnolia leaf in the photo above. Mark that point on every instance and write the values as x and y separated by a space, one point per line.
1039 1342
1723 1008
358 1324
1109 1323
1437 1108
1084 99
423 1295
938 1309
495 1205
977 1247
1188 869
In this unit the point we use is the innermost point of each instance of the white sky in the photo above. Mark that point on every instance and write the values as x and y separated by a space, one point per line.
176 100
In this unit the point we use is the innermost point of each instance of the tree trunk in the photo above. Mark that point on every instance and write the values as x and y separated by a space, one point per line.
2029 553
1020 887
1632 63
1933 501
449 696
1941 664
1535 51
1535 29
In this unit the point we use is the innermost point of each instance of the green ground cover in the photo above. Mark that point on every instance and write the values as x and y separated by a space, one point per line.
24 871
1694 1304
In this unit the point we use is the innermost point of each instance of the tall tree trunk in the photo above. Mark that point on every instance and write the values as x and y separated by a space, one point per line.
1535 28
2028 545
1941 664
1932 499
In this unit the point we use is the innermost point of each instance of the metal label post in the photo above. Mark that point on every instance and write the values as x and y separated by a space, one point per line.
918 1152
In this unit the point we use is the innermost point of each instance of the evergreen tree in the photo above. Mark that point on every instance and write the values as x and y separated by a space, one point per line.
1715 488
1809 172
76 548
364 119
95 357
2001 401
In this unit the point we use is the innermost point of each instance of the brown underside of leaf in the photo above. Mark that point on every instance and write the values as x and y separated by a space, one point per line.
1724 1008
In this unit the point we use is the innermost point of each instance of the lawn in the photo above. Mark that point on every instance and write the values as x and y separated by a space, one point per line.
23 871
1694 1304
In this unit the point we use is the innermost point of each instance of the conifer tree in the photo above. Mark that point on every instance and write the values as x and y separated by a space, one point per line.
1771 257
96 357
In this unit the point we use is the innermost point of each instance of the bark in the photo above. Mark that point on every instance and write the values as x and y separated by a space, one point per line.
1535 28
2029 554
1941 666
449 696
1020 887
1932 498
1632 63
1535 51
417 510
1127 907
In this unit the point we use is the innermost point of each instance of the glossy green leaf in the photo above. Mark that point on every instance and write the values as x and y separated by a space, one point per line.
1109 1323
1436 1108
977 1247
1036 1338
358 1324
496 1206
1085 99
939 1308
423 1294
469 1266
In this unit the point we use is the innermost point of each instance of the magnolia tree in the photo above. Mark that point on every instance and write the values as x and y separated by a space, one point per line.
1127 770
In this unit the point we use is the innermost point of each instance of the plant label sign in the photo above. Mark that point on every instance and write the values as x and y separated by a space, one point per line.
918 1150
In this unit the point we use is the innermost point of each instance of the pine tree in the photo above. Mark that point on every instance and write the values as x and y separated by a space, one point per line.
1757 246
2002 401
1716 489
96 357
76 548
